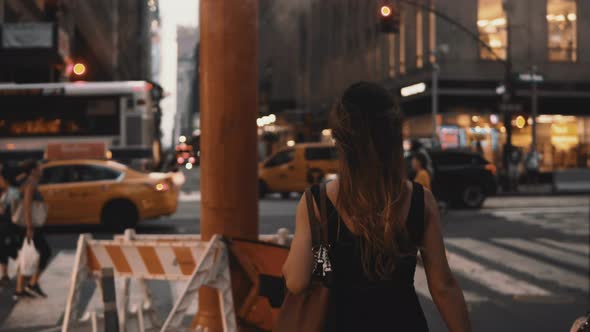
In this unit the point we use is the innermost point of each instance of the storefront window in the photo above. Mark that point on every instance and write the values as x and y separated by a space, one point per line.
562 40
562 141
491 24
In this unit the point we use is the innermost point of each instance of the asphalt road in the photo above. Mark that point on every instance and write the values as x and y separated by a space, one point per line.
523 262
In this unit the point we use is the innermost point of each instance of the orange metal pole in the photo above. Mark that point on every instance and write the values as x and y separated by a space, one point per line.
228 89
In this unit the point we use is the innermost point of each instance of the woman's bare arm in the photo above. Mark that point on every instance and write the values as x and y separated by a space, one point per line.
297 268
445 290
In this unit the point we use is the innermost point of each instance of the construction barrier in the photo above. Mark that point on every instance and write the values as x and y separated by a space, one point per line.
258 262
201 263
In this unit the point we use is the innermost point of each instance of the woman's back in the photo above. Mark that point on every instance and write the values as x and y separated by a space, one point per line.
375 228
356 301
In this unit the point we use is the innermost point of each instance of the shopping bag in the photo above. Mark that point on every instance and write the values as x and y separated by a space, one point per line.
28 258
38 213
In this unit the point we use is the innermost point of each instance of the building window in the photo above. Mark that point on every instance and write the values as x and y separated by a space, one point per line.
432 34
491 24
419 39
562 40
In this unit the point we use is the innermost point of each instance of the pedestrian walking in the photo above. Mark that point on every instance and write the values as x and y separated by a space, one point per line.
531 165
422 176
376 224
416 148
29 196
514 158
9 240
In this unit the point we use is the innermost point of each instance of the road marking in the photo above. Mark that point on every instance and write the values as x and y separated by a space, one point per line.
540 249
191 196
574 222
521 263
421 286
583 249
497 281
39 311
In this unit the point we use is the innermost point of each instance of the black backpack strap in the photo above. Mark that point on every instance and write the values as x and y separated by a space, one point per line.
321 198
324 214
314 225
416 218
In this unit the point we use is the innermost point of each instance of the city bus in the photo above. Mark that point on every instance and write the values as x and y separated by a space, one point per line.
124 116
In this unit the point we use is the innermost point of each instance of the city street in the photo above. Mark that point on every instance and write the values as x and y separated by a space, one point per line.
521 261
110 110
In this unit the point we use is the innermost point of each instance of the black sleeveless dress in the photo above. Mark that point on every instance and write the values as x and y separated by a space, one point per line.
359 304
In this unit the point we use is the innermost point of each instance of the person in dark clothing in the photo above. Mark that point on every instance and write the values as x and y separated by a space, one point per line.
29 192
417 148
378 222
9 239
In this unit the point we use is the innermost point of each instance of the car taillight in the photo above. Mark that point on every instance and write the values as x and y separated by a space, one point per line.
180 160
491 168
191 160
161 186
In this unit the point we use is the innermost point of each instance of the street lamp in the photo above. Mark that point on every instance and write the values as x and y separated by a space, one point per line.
441 49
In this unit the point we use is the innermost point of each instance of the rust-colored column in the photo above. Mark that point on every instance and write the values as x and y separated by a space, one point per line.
228 90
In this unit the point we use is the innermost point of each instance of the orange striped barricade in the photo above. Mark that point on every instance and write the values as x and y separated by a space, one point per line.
199 262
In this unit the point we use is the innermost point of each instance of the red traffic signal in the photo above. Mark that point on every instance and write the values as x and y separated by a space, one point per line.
388 19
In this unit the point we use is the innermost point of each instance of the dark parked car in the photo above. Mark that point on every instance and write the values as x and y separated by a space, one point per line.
463 179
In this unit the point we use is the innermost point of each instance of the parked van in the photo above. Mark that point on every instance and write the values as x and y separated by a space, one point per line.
293 169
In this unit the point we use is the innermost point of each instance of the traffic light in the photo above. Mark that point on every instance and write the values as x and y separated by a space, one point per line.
79 69
388 19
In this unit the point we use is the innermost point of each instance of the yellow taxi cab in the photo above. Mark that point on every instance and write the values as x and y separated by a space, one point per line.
295 168
104 192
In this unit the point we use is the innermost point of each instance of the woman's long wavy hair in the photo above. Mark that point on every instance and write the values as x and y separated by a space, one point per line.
367 127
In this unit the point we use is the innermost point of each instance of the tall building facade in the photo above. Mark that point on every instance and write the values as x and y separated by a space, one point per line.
42 39
35 40
187 39
330 44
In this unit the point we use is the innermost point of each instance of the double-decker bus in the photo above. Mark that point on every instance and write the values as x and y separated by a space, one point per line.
125 116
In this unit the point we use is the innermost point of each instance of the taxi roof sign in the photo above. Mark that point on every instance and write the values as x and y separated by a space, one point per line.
65 151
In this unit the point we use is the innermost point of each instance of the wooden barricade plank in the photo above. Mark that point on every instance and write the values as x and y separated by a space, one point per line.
202 263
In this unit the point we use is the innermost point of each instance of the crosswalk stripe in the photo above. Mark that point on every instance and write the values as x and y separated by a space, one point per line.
521 263
421 286
545 218
42 312
545 251
580 248
492 279
192 196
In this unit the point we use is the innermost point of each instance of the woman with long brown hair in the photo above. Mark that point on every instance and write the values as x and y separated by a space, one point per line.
377 223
